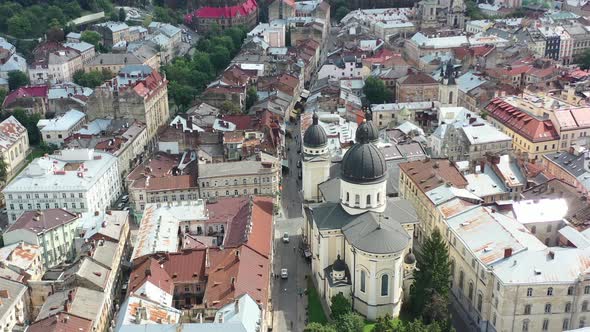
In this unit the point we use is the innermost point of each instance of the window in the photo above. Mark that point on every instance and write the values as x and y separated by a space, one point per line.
479 301
244 181
534 229
363 277
566 324
227 193
585 306
80 195
587 290
570 290
527 309
461 277
141 197
550 291
378 197
545 324
470 292
582 323
347 197
384 285
529 292
368 199
525 325
450 97
568 307
357 199
494 319
548 308
235 182
548 228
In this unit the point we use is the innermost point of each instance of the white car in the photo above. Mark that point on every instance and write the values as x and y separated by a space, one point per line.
286 237
284 274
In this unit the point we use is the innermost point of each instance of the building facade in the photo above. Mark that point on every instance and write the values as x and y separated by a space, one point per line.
240 178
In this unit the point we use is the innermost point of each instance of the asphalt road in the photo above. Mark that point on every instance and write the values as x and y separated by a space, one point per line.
288 304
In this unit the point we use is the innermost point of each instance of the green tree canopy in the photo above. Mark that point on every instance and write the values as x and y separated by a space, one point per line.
122 15
317 327
91 37
432 275
339 306
350 322
16 79
220 57
91 79
376 91
19 26
228 107
30 122
251 97
182 95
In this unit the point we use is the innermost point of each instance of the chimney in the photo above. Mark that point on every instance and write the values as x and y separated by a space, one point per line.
96 213
148 272
507 252
472 120
71 296
551 255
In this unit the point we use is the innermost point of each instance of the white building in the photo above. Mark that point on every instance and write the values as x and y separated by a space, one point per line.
54 131
15 308
345 67
56 66
272 33
14 144
11 61
78 180
361 241
53 230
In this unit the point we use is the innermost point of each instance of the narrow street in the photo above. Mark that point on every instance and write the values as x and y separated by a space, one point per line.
289 302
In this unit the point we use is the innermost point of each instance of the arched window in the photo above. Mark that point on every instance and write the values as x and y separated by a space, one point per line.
534 229
244 181
347 197
450 97
568 307
570 290
384 285
585 306
255 180
550 291
368 199
357 199
470 293
479 301
255 191
227 193
378 197
363 280
461 277
235 182
452 269
548 308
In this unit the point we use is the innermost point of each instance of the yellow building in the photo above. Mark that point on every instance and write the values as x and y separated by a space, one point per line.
531 136
14 144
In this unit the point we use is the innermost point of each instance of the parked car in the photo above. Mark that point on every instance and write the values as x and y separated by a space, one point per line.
120 206
126 208
298 163
300 175
286 237
4 211
284 274
125 198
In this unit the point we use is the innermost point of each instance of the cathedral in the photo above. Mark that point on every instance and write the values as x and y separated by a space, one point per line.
360 239
438 13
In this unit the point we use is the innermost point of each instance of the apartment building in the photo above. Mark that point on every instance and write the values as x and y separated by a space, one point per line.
14 312
77 180
21 262
163 178
112 62
531 136
239 178
14 144
32 99
54 63
53 230
416 87
56 130
112 33
138 92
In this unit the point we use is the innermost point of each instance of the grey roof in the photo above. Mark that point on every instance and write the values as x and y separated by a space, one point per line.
376 234
315 136
369 129
330 190
86 303
363 163
569 162
15 292
107 59
245 167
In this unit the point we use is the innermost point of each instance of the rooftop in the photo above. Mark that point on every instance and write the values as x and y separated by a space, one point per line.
64 122
42 221
10 132
432 173
85 303
237 168
61 322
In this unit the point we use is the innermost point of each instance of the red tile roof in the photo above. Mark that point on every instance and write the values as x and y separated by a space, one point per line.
26 92
417 78
61 322
243 9
433 173
242 121
526 125
150 270
260 237
186 267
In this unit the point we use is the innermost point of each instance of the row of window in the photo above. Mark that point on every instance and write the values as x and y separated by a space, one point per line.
244 181
384 283
565 325
46 195
548 307
38 206
570 291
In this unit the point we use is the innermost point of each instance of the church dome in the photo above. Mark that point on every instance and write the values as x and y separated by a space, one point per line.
339 265
363 162
315 136
367 128
410 259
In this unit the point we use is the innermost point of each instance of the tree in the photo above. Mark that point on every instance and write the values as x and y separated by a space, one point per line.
386 324
340 306
317 327
91 79
436 310
251 97
350 322
584 59
19 26
122 15
182 95
341 12
91 37
16 79
220 57
3 171
432 274
229 108
376 91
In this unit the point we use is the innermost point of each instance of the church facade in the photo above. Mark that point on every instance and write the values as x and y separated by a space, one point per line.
359 238
438 13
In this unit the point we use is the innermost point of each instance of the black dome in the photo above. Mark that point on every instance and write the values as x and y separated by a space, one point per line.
369 129
339 265
315 136
363 162
410 259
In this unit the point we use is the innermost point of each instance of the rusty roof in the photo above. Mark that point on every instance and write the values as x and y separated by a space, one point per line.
41 221
61 322
431 173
